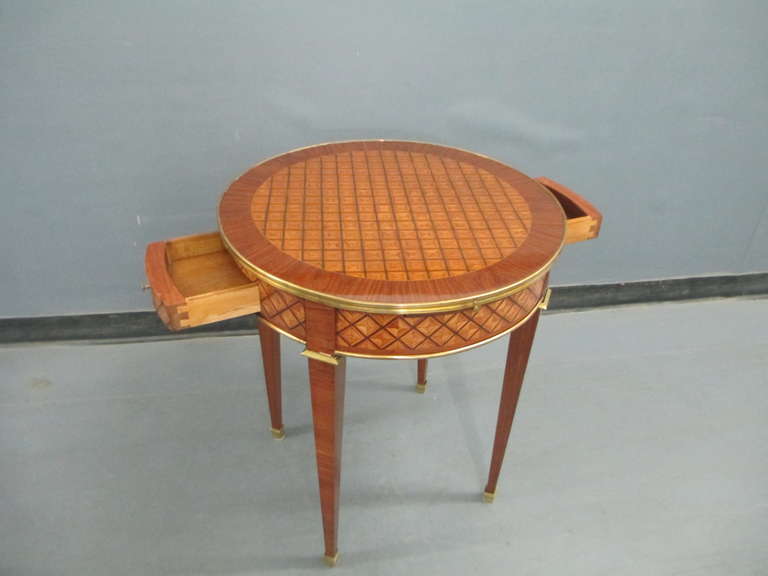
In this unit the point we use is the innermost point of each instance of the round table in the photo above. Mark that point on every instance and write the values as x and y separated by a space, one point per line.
377 249
388 249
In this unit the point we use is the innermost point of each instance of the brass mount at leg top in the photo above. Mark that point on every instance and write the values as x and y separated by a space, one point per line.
321 356
544 303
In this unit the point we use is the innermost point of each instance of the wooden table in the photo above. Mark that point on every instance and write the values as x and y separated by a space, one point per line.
377 249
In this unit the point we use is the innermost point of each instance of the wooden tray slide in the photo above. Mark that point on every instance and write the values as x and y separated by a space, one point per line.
194 281
583 220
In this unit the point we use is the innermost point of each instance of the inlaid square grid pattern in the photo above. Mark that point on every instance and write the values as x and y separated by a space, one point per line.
391 214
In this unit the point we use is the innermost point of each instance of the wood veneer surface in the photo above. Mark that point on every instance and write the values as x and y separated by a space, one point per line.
206 273
390 222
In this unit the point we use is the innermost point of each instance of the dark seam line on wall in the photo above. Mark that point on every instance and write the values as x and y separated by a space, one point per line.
140 326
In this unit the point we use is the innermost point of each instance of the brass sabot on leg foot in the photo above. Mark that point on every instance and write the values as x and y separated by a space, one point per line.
331 560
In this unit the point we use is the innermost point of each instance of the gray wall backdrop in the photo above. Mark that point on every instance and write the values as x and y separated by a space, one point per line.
122 122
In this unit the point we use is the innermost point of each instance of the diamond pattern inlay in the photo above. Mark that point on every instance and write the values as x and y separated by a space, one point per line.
392 335
381 334
283 310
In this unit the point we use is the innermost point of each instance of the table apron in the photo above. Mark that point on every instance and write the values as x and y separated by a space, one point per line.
393 336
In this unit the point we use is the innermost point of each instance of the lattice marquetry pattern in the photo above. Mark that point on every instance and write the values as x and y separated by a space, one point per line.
392 335
283 310
391 214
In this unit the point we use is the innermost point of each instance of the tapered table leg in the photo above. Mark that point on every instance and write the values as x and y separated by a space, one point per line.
326 380
421 376
520 342
270 355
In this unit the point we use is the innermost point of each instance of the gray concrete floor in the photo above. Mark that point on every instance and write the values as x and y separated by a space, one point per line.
640 447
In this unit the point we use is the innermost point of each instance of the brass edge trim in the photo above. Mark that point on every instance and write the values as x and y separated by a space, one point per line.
545 301
282 331
389 308
386 307
321 356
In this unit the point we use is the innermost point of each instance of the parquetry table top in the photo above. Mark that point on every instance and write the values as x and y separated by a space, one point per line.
388 226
